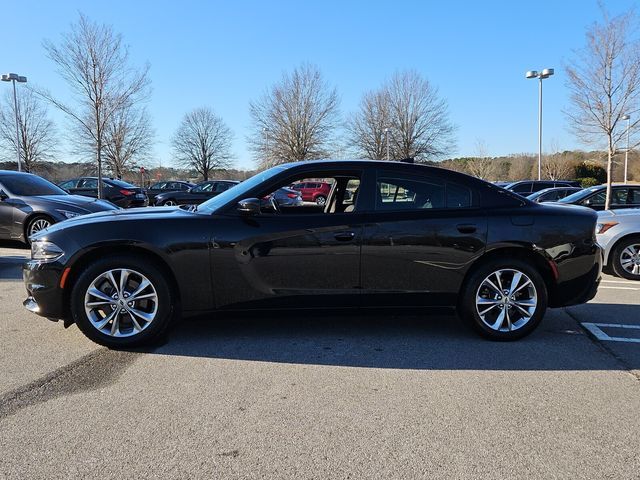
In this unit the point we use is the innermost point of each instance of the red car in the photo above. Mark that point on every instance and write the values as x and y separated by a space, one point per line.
313 191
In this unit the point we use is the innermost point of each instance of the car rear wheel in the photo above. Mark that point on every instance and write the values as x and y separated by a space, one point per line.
169 203
626 258
321 200
504 299
122 301
37 223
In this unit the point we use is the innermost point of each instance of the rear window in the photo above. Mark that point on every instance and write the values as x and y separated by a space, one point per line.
120 183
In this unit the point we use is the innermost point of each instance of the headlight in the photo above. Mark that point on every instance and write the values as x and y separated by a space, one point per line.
604 226
45 251
68 214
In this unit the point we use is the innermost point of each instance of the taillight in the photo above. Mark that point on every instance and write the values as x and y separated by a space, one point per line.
292 195
127 192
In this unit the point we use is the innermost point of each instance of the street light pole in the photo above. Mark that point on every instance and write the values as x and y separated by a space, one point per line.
386 132
14 77
626 153
546 73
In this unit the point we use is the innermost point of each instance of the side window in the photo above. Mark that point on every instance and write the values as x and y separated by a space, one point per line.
522 188
68 184
619 196
597 199
634 196
458 196
183 186
89 183
396 192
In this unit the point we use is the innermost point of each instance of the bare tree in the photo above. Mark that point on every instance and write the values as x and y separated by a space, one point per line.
481 165
294 120
37 138
604 81
95 63
419 118
128 139
368 128
558 165
203 142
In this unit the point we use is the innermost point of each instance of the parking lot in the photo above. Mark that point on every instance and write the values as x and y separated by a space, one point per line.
324 396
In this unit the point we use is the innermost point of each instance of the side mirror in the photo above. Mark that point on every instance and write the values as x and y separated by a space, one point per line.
249 206
3 195
587 202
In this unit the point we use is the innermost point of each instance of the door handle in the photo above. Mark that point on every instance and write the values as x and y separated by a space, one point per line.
344 236
466 228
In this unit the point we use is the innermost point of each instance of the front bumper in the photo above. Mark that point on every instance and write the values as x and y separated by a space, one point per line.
44 295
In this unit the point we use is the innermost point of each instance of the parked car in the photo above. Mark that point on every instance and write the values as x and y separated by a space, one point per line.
166 186
195 195
622 196
552 194
286 197
116 191
451 240
527 187
29 203
317 192
618 233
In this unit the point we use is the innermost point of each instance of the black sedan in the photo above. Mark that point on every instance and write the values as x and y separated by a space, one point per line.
29 203
622 196
411 236
116 191
552 194
196 195
167 186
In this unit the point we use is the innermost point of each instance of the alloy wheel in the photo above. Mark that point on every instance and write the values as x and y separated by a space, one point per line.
321 200
121 302
506 300
169 203
38 224
630 259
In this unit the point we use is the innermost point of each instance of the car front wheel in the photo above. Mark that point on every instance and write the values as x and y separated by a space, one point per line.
169 203
504 300
626 258
122 301
321 200
37 223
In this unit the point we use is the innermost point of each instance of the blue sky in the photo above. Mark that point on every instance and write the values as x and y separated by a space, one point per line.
224 54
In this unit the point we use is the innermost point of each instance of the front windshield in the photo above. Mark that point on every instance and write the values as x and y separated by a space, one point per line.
577 196
210 206
29 185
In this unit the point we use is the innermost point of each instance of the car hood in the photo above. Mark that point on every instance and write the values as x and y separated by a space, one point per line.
73 203
622 212
133 214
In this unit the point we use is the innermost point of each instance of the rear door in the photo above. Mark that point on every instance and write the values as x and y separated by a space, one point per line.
420 239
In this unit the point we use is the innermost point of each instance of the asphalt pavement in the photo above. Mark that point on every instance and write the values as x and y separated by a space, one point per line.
323 396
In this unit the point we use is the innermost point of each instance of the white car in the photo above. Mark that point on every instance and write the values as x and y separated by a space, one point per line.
618 233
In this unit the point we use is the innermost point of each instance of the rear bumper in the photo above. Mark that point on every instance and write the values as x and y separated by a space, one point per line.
579 288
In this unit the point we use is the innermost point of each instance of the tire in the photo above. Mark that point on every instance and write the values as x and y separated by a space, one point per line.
625 258
481 305
95 316
37 223
169 203
321 200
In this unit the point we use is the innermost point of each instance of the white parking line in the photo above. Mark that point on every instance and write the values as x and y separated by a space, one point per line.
595 329
624 282
617 288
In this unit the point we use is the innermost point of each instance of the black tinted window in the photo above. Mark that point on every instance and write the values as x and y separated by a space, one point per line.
413 193
634 196
522 188
458 196
30 185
